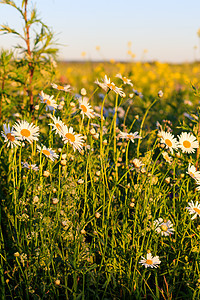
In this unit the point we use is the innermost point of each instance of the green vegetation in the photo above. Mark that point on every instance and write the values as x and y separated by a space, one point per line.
99 181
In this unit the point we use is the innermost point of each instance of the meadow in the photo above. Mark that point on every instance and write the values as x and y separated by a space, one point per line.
99 178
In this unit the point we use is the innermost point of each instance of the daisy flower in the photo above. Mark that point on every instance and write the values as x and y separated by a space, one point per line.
48 152
166 156
48 100
102 85
65 88
76 140
150 261
137 163
169 140
188 142
57 125
194 209
86 108
163 226
130 135
125 80
32 167
25 131
112 86
160 94
192 171
9 137
106 84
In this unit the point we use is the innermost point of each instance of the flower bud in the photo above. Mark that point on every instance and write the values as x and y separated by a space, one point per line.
96 136
35 199
83 92
64 156
57 282
105 142
97 215
167 180
92 131
55 201
46 173
98 173
80 181
72 104
63 162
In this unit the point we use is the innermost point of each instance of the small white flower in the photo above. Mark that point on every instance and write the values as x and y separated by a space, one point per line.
163 227
107 84
169 140
86 108
32 167
166 156
9 137
137 163
65 88
25 131
150 261
48 100
76 140
48 152
102 85
125 80
130 135
57 125
192 171
194 209
188 142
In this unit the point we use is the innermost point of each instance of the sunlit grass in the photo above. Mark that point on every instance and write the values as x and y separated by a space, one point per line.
76 223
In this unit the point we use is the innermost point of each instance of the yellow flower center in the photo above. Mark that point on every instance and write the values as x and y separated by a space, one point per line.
46 152
10 137
58 126
48 102
25 132
60 87
129 136
83 107
168 142
164 227
149 262
70 137
191 174
111 86
186 144
197 210
125 79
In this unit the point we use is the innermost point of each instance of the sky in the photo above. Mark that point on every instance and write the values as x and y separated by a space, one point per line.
164 30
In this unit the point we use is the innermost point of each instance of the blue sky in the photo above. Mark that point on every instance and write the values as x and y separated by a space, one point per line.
167 29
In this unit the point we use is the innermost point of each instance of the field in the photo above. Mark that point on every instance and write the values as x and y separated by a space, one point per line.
99 182
100 179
